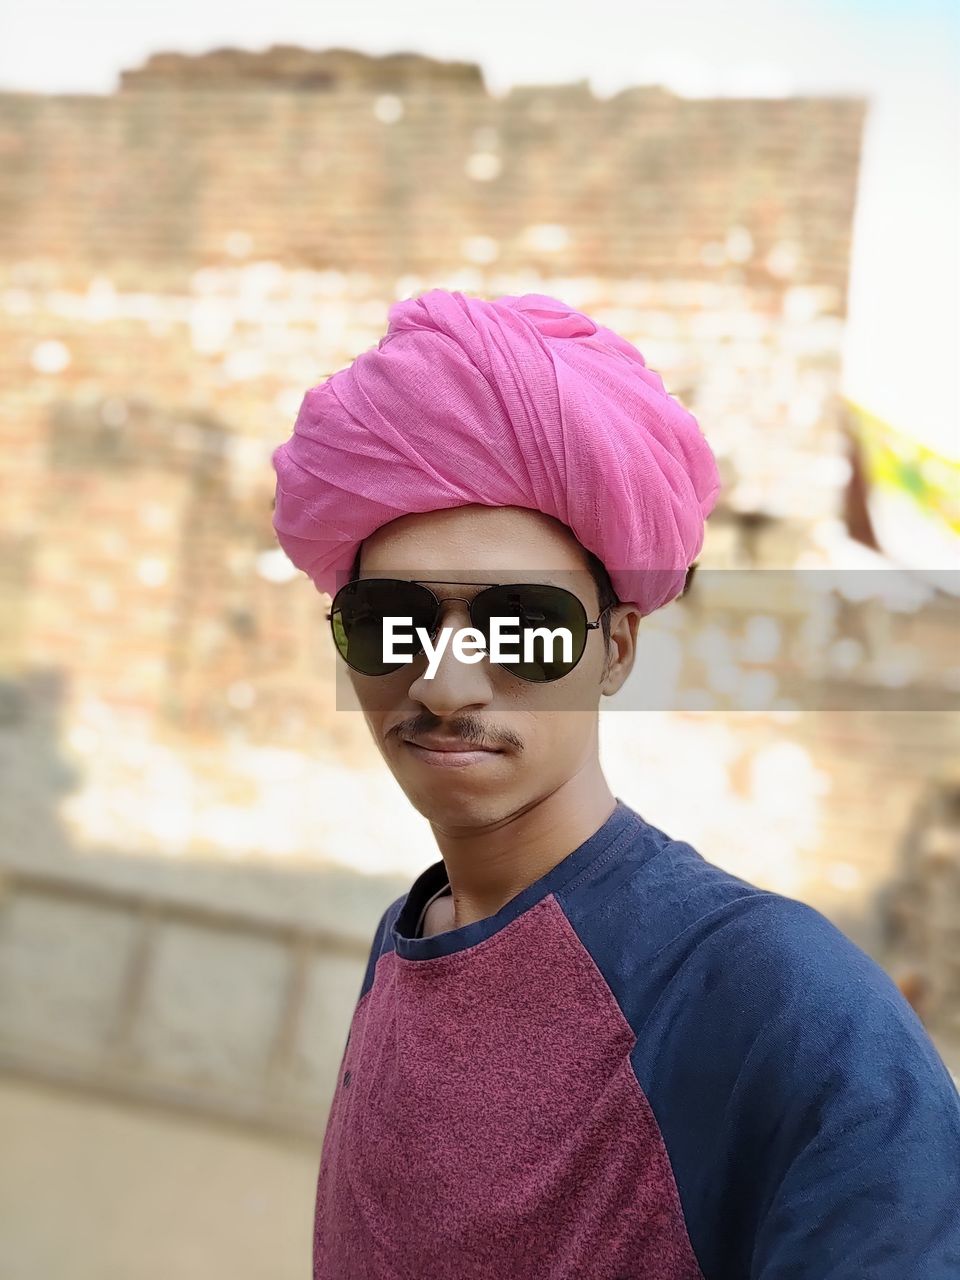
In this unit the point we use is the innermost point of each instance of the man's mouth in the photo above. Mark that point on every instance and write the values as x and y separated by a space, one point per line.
449 752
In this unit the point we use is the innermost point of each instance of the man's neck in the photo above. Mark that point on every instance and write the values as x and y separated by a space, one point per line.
490 866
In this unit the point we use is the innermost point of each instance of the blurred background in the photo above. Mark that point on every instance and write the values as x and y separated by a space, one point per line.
202 214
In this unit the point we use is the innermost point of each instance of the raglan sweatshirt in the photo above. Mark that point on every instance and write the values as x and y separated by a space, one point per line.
642 1067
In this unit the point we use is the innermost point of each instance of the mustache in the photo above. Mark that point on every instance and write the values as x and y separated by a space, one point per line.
469 729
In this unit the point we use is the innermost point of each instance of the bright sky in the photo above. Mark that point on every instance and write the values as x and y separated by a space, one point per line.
902 356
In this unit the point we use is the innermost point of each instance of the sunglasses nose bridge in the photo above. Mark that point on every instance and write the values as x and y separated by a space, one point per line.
443 614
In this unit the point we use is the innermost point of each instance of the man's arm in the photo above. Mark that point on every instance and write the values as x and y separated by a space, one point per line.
377 945
376 950
852 1123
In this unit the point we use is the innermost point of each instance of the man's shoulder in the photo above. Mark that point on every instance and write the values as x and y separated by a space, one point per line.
382 941
666 926
804 1107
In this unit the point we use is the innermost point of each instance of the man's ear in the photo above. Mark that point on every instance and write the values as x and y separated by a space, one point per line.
621 650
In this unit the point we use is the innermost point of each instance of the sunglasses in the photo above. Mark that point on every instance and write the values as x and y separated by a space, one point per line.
359 608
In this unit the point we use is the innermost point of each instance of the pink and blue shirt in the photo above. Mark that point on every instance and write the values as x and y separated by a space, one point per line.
640 1068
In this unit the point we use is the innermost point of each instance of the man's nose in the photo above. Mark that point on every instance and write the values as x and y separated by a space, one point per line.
455 684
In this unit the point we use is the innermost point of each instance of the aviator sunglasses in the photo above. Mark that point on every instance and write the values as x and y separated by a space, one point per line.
359 608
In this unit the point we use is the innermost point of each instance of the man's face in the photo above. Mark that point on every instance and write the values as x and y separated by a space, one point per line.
540 735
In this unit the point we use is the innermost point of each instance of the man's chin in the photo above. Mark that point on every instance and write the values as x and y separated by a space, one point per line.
450 805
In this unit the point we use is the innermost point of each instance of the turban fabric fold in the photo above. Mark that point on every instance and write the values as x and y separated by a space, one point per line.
519 401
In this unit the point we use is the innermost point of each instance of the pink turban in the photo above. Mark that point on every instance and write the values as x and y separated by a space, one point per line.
521 402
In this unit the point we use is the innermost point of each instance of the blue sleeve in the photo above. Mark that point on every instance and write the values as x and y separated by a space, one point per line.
377 947
848 1124
379 944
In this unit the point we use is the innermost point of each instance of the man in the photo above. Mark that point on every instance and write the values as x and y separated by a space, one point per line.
579 1049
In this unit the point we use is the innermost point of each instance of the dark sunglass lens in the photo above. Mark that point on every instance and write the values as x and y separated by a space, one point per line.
357 619
536 609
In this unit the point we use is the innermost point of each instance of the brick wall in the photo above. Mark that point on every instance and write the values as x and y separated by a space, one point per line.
180 260
152 182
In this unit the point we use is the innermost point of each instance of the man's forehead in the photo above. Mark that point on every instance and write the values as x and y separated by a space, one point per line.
474 544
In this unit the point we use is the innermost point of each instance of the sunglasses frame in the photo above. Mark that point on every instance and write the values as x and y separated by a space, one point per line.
454 582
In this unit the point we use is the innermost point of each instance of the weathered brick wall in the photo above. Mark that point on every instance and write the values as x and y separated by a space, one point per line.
179 261
305 70
149 184
919 912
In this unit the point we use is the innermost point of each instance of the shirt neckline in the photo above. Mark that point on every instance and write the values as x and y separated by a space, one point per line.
429 882
443 892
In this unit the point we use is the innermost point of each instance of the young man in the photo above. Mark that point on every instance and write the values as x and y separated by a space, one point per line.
580 1050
